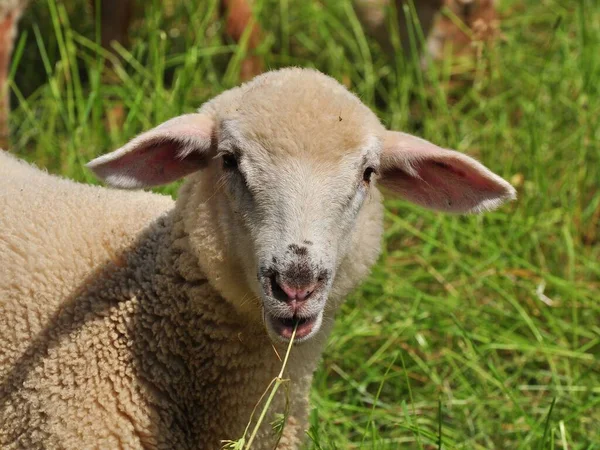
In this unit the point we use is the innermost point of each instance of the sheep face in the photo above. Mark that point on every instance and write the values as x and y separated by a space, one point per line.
294 213
283 206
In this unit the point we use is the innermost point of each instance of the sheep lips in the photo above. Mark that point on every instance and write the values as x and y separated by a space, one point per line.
284 326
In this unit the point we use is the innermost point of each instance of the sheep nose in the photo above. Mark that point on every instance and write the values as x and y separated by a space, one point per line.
297 293
288 293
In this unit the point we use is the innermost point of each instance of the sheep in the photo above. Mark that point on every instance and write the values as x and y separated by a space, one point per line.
133 322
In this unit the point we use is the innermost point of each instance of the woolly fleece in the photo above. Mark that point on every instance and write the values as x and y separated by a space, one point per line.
111 336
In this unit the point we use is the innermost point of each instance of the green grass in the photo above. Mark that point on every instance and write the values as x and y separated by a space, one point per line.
472 332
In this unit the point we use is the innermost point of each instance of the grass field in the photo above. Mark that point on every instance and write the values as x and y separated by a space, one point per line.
472 332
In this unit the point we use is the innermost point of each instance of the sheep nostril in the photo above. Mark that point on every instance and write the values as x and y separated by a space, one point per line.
303 294
287 293
297 293
276 290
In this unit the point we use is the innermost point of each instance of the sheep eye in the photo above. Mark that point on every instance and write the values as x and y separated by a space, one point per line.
229 161
367 174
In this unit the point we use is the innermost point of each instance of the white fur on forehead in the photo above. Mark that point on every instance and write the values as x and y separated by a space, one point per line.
297 110
273 83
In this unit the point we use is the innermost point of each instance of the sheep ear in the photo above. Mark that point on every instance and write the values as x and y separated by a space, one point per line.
439 179
164 154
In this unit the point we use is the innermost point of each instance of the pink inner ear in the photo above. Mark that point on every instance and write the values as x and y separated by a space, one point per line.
172 150
157 162
451 185
438 178
471 177
160 163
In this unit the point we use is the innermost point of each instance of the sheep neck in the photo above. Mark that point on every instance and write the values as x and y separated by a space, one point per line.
196 357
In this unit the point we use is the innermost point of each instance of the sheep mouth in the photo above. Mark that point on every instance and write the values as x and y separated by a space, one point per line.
283 327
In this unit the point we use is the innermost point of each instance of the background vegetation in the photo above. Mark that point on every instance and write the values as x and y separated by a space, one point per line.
472 332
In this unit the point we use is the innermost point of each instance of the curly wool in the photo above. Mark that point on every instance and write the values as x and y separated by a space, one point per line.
112 337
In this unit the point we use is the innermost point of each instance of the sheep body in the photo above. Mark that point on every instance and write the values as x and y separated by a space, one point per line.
131 321
112 337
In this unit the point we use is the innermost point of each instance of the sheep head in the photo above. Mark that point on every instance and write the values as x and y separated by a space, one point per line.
290 164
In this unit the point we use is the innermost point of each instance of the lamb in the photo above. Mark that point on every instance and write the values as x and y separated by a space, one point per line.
133 322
